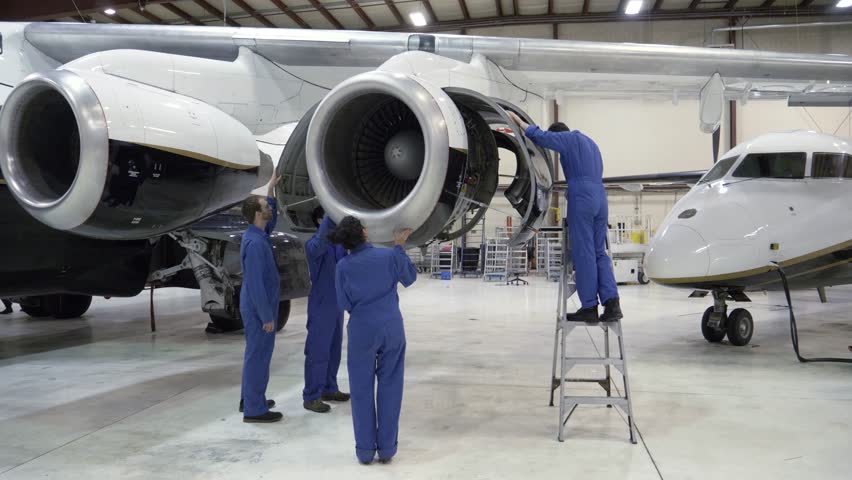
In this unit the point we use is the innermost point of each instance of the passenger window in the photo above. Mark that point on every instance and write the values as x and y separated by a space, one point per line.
831 165
772 165
719 170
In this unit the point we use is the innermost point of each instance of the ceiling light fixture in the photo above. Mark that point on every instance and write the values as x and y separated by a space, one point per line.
418 19
633 7
844 3
109 11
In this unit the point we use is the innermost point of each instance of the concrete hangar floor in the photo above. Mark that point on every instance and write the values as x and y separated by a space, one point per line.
101 397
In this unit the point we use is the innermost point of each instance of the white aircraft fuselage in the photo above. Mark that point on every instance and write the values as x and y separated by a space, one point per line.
781 199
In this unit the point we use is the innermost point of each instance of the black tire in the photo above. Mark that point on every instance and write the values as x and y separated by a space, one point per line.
642 278
35 307
711 334
225 323
67 306
231 324
740 327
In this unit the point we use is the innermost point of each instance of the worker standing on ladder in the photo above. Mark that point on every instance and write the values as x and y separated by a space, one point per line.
587 217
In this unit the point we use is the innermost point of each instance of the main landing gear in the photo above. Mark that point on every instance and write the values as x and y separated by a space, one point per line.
716 323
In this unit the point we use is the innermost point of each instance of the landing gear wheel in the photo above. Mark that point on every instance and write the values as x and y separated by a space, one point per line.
642 278
226 323
711 334
34 307
740 327
67 306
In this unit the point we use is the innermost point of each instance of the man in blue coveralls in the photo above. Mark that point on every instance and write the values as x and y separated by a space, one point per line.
259 305
587 217
325 320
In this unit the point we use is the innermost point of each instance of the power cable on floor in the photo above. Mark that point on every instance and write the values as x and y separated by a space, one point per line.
794 329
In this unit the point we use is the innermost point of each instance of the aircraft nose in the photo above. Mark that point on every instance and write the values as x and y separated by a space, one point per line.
679 252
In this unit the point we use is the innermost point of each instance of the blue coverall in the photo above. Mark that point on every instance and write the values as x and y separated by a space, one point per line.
258 305
325 318
587 211
366 288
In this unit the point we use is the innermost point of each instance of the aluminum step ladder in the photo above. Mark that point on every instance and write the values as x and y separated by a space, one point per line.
568 403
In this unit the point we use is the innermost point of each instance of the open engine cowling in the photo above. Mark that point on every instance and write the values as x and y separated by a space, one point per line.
396 151
106 157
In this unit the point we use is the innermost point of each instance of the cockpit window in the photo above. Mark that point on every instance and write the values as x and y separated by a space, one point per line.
772 165
718 171
831 165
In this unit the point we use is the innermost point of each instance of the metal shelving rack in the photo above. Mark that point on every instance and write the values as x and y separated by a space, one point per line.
553 259
443 259
496 260
544 235
472 249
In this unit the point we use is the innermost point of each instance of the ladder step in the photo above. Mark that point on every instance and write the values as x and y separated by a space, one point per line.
595 361
620 401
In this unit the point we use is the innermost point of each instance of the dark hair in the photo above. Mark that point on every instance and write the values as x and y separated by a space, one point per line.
558 127
316 215
251 206
349 233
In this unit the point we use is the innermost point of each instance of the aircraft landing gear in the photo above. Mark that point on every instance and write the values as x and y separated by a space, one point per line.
716 323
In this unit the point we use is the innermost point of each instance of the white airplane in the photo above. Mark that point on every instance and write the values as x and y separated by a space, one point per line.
778 201
122 147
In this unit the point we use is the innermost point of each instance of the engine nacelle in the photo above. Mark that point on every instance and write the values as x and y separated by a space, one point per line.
396 151
107 157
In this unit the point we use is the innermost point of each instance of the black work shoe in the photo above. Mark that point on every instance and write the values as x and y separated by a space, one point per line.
336 397
316 406
385 461
269 404
268 417
612 311
588 315
365 462
7 311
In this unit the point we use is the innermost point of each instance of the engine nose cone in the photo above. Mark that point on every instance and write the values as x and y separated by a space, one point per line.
404 154
678 253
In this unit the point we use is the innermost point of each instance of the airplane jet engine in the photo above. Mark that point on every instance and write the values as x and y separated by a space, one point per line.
106 157
396 151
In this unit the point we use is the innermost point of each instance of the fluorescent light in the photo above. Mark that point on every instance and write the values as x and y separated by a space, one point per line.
634 6
109 11
418 19
844 3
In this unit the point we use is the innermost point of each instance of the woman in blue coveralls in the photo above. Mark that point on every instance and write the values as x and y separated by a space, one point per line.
325 320
366 288
587 217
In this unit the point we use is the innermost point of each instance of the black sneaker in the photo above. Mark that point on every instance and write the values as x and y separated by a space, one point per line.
385 461
5 312
317 406
335 397
269 404
588 315
612 311
268 417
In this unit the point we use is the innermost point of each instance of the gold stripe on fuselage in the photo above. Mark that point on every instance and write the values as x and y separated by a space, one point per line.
200 156
760 270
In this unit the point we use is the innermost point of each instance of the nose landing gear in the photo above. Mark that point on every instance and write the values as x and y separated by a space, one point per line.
716 323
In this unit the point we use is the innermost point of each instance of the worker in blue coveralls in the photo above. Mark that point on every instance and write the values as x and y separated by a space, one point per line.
366 288
259 305
587 217
325 320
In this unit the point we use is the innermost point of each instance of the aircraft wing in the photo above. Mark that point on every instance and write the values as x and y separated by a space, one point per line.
552 67
649 182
